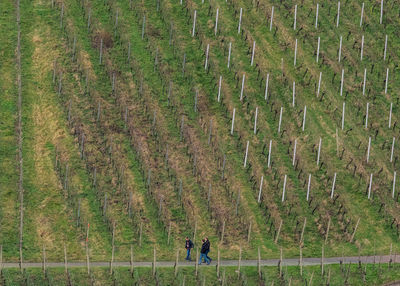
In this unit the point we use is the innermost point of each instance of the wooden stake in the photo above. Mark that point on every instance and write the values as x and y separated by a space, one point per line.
259 192
301 260
322 261
316 16
222 233
252 54
219 88
197 262
169 233
143 25
44 259
294 152
89 17
284 188
229 54
319 150
354 232
269 153
272 18
181 131
60 83
154 261
240 20
364 81
245 157
370 186
319 41
344 107
394 184
209 196
207 51
101 50
384 53
362 14
369 148
337 143
249 233
255 121
387 79
280 263
194 233
112 249
342 83
280 120
87 249
327 230
333 185
279 230
1 258
241 91
233 120
295 16
293 93
183 64
140 233
218 262
338 14
308 186
259 262
62 15
240 260
131 261
237 202
266 87
302 231
362 47
176 263
216 23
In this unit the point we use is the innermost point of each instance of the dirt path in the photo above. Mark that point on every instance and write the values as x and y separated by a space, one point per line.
264 262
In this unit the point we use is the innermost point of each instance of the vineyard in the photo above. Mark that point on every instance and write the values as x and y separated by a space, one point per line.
270 127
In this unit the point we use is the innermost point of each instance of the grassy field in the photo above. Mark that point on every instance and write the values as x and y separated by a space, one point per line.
333 275
8 147
127 122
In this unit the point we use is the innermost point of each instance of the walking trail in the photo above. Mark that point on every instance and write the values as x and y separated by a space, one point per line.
264 262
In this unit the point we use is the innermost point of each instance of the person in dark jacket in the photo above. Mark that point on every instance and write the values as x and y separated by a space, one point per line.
188 246
208 248
203 254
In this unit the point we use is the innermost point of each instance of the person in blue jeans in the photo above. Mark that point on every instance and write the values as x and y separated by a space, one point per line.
207 248
188 246
203 252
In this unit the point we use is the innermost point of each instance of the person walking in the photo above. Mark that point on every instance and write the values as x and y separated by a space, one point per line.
203 252
188 246
208 249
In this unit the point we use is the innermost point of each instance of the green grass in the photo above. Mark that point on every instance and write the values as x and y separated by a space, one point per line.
8 139
122 153
369 275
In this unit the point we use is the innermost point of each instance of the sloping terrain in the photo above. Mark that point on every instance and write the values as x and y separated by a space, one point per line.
267 126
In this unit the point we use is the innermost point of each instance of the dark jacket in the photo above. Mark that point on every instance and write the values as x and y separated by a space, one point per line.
188 244
204 247
207 243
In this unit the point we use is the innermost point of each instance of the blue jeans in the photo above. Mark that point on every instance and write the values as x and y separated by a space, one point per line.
207 255
188 254
203 255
